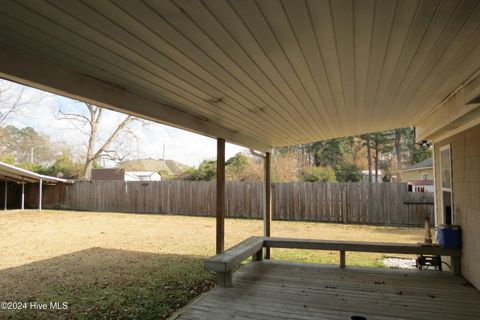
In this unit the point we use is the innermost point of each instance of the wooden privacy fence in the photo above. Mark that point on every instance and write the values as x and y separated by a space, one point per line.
369 203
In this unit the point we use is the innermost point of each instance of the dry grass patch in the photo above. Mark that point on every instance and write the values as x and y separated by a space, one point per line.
115 266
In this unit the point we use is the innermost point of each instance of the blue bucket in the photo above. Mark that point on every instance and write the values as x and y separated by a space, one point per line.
449 237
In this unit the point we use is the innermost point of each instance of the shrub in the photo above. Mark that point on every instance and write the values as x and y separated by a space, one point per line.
347 172
207 170
319 174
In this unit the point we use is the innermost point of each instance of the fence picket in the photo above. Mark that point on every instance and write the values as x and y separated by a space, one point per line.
372 203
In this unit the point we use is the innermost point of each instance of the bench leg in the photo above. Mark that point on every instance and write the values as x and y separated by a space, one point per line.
456 267
224 279
342 259
258 256
267 253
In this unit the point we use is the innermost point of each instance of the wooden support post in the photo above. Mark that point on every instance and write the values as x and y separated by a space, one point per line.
6 194
267 217
40 187
456 265
220 209
23 195
342 259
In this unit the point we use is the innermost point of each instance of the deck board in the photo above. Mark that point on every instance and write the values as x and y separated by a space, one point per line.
282 290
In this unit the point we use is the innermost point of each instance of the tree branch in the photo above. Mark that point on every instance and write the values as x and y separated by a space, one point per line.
115 133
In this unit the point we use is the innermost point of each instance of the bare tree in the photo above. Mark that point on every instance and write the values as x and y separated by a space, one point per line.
115 146
13 98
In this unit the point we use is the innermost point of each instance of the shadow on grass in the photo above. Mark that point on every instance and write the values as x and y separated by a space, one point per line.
99 283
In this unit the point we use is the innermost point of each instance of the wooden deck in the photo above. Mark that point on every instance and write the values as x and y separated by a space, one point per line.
281 290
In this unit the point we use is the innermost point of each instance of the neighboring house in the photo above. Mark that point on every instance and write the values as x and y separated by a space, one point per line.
171 167
365 176
142 176
119 174
421 186
422 170
419 176
108 174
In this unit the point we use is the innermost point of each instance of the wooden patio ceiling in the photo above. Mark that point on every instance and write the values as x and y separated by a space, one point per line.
258 73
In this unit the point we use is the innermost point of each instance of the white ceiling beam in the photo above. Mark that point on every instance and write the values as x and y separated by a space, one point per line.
40 72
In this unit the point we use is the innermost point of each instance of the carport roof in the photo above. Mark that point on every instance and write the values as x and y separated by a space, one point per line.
257 73
13 173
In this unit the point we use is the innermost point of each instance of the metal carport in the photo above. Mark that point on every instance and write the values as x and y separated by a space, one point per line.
13 174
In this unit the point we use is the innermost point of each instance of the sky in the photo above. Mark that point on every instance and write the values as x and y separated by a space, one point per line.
180 145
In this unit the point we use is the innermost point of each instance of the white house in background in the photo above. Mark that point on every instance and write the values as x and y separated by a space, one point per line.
142 176
365 176
419 176
119 174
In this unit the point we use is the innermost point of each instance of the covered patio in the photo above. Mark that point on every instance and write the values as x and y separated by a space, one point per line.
266 289
287 290
267 74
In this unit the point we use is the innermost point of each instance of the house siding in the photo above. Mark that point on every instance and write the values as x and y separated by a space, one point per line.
417 174
465 149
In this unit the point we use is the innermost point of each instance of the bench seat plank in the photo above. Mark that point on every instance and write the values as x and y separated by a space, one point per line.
359 246
232 257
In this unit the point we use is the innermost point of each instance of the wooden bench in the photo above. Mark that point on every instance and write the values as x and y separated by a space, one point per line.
358 246
224 263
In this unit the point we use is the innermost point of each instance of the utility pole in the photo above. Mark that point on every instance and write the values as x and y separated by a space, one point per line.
164 156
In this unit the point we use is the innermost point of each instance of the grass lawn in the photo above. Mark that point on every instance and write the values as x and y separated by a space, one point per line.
138 266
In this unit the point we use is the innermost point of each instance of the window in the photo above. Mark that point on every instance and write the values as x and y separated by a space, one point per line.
446 184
